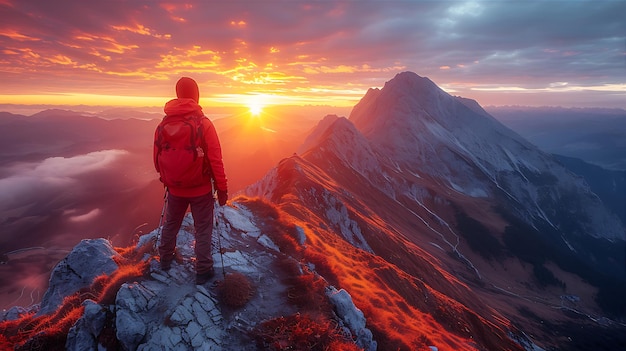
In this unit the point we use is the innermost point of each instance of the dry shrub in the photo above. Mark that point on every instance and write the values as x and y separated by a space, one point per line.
289 266
122 275
44 341
385 342
124 251
69 304
260 207
282 233
343 346
16 330
107 337
322 266
302 332
99 283
235 291
4 343
307 291
133 254
68 320
285 243
47 332
147 247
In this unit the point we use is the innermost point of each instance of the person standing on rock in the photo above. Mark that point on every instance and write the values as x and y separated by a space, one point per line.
188 157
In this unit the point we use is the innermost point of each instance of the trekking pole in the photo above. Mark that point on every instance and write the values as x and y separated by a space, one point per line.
219 241
160 230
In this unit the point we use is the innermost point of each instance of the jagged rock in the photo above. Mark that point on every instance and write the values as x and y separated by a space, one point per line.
301 236
130 328
352 317
153 315
168 311
267 242
83 335
14 313
89 259
240 219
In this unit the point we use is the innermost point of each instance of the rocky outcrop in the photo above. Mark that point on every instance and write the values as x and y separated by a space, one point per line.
167 310
89 259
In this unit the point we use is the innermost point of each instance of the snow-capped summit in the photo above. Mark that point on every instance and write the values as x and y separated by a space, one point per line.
426 130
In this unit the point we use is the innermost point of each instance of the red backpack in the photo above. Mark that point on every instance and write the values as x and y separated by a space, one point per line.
181 157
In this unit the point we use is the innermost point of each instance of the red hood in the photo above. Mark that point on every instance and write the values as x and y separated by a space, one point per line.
181 107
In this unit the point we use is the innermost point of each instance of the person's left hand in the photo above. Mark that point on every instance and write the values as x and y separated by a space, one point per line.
222 197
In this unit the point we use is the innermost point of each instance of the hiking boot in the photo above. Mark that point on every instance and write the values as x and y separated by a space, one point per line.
166 262
166 265
203 278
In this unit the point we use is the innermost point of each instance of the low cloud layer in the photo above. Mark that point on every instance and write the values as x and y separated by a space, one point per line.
29 181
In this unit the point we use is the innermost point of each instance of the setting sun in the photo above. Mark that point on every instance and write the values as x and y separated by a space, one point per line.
255 108
256 103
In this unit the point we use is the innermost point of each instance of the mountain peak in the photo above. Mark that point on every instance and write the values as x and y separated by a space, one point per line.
410 81
401 102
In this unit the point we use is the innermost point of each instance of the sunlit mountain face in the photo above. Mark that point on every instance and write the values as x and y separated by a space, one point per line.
439 218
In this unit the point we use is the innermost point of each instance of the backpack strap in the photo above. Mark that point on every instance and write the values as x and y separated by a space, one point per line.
201 142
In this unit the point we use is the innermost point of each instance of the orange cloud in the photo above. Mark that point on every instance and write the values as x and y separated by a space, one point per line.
238 23
12 34
142 30
195 58
106 43
61 60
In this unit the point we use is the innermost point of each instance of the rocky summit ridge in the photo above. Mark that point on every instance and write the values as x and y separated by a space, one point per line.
167 310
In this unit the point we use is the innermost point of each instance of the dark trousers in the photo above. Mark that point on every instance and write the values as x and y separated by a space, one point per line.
202 213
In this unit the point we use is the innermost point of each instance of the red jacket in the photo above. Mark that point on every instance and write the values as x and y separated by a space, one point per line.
185 107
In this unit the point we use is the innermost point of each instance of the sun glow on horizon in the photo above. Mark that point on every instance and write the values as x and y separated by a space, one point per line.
256 103
255 109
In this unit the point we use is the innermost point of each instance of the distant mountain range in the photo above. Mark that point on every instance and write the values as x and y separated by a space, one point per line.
595 135
448 230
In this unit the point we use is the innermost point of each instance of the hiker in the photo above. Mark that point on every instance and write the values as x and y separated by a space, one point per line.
188 157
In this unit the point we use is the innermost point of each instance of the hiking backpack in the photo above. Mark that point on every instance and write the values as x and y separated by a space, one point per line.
181 157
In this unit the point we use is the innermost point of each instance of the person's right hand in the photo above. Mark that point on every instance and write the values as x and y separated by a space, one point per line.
222 197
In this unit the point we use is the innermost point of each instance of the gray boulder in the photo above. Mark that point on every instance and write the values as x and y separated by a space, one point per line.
89 259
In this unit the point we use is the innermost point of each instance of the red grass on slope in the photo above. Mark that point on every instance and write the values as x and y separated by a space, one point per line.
302 332
402 311
314 327
122 275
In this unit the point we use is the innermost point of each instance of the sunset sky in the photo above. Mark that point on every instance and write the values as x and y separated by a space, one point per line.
567 53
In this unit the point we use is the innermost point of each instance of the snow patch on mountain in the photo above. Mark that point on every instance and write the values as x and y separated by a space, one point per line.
337 215
352 317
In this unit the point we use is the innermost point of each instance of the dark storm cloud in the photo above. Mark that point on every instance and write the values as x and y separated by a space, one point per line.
542 39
